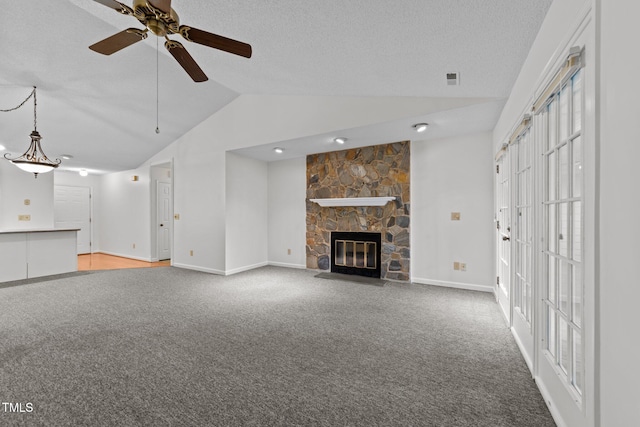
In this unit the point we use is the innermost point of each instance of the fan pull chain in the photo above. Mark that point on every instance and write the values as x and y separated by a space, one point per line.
157 86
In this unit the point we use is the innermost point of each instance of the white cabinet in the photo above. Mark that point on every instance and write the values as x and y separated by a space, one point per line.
37 253
13 256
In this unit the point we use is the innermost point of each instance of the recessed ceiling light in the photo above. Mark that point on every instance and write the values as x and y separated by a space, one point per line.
279 150
66 156
83 172
420 127
340 140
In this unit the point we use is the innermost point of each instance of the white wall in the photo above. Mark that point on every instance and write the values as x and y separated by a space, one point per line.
199 156
17 185
452 175
287 212
555 32
619 204
125 214
246 218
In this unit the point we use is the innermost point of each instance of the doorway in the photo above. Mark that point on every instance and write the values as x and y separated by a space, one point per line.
72 209
503 234
161 212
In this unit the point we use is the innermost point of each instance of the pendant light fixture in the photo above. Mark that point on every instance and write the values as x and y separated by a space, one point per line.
34 160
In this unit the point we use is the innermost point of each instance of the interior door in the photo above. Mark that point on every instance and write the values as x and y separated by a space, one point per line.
164 222
522 242
503 234
72 209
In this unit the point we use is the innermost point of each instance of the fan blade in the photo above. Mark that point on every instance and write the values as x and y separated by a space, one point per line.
113 4
213 40
185 60
119 41
162 5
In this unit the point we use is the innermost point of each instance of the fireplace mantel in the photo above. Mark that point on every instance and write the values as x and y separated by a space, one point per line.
354 201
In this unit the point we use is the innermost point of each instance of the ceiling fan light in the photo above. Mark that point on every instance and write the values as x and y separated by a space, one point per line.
420 127
83 172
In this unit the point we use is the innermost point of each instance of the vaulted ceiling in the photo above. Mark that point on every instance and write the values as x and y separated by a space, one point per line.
102 109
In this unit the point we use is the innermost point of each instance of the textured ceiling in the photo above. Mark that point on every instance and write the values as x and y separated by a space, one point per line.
103 109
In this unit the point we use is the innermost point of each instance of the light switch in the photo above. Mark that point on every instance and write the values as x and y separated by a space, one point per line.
176 216
27 202
455 216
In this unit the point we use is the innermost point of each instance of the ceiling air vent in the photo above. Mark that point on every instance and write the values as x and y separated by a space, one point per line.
453 79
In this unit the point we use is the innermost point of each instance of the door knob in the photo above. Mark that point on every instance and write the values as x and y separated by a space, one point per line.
506 238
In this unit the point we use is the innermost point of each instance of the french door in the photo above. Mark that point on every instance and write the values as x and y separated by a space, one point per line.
522 242
562 252
503 234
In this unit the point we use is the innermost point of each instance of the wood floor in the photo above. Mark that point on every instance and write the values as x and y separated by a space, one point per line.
98 261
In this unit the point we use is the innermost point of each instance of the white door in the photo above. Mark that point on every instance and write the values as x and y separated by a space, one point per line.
72 209
522 239
164 220
503 233
562 368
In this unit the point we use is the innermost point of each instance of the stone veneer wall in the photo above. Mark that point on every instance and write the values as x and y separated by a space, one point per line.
376 171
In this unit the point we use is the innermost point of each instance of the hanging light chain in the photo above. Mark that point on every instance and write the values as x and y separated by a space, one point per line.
33 93
35 115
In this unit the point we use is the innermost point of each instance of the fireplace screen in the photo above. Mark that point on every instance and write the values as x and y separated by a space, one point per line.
350 253
356 253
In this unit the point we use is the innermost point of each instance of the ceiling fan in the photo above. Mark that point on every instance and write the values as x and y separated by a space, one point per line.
159 18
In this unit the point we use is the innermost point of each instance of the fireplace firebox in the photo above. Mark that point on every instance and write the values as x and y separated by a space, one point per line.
356 253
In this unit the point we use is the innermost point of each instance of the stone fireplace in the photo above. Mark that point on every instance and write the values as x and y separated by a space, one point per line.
375 171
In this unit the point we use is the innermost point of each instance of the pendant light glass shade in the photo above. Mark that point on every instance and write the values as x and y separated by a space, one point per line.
34 160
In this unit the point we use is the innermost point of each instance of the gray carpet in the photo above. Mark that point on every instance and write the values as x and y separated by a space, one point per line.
352 278
272 346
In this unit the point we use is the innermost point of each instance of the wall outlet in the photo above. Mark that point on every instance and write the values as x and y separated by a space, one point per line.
288 251
24 217
456 265
455 216
191 252
463 266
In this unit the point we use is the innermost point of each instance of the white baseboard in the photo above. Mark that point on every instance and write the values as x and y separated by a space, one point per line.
457 285
236 270
245 268
198 268
548 401
287 265
522 348
124 256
